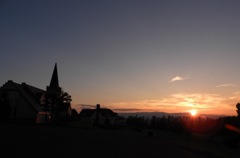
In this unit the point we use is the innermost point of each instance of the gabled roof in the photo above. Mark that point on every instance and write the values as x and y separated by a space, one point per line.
33 89
87 112
29 93
105 112
35 92
74 112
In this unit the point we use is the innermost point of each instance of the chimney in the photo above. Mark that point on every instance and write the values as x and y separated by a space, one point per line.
97 114
98 106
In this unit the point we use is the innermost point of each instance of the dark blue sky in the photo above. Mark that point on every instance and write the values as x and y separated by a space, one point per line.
128 53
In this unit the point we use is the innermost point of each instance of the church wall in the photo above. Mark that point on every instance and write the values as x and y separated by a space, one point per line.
10 104
12 97
19 108
24 109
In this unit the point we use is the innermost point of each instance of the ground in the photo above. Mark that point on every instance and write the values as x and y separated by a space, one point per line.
21 140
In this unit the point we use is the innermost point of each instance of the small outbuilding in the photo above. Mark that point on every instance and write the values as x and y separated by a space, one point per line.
98 116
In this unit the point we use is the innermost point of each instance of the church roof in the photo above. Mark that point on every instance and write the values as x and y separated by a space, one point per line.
35 92
29 93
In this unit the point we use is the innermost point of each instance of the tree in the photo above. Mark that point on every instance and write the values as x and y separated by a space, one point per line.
238 109
64 97
55 103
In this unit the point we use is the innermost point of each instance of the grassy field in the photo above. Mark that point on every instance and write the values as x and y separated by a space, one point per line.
19 140
207 145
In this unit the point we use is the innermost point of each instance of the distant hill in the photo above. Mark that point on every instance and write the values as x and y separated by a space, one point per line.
161 114
79 107
144 114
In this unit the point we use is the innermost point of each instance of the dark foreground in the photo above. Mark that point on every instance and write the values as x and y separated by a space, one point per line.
18 140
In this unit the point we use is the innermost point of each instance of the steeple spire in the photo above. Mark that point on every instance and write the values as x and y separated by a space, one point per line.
54 80
53 88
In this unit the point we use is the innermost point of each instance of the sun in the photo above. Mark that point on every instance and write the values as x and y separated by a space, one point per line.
193 112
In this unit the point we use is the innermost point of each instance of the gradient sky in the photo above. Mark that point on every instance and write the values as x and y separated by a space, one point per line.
128 55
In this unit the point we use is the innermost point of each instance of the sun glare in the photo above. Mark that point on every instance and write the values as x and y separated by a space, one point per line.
193 112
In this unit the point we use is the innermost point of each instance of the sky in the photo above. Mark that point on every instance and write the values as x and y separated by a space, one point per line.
127 55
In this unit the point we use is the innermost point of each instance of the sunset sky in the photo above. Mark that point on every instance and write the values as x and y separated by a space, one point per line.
127 55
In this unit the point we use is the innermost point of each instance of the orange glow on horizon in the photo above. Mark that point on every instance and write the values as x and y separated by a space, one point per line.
193 112
194 104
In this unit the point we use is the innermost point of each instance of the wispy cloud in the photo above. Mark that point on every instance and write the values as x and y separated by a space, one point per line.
84 106
178 78
226 85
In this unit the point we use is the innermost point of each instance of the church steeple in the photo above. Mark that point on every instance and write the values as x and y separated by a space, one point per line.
53 88
54 80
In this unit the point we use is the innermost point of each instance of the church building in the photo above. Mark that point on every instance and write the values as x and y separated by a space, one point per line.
23 102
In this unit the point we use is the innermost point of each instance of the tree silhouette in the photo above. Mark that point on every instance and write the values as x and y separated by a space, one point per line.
55 103
238 109
64 97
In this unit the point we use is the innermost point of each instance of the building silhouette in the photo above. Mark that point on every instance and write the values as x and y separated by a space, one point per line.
99 116
23 102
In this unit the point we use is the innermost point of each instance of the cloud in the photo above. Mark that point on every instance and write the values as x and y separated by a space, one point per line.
84 106
178 78
226 85
127 110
